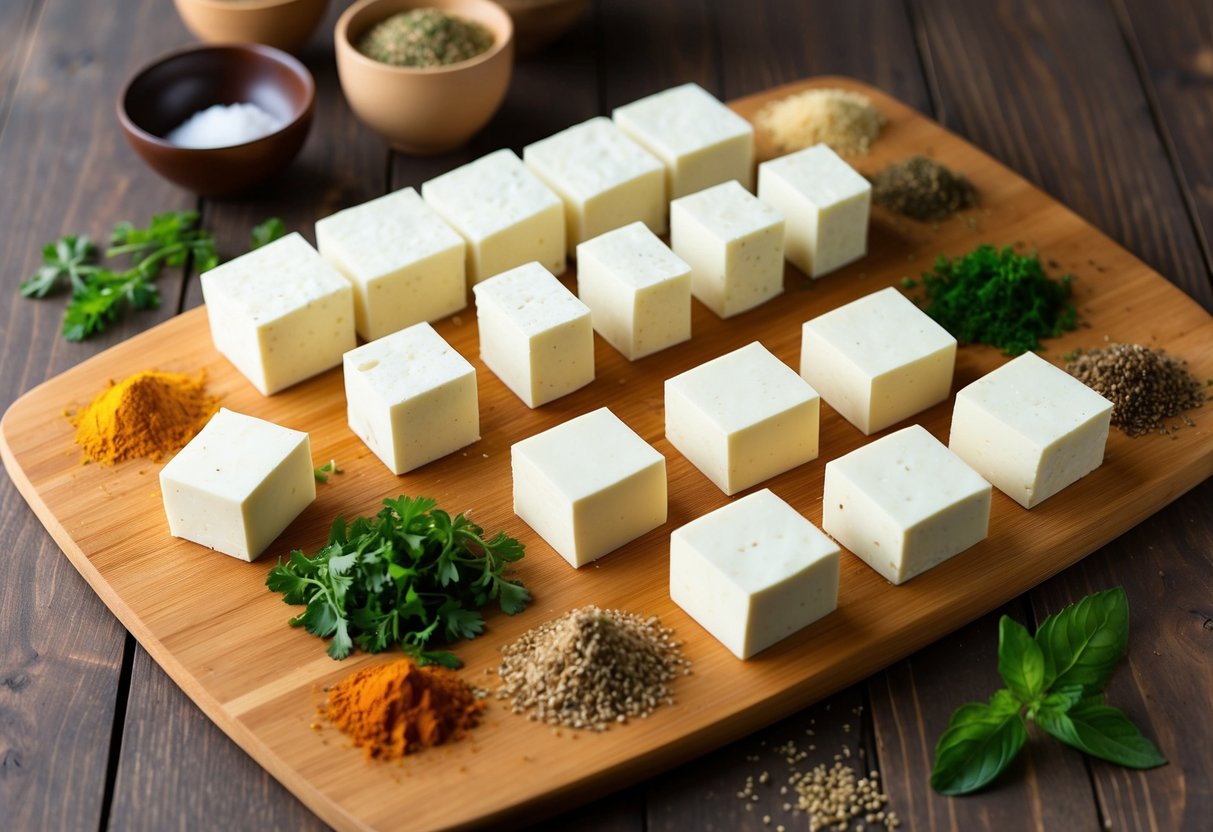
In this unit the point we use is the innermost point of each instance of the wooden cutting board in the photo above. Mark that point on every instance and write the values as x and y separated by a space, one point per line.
210 622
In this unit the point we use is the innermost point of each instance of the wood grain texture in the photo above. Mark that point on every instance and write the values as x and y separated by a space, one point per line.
263 690
63 173
17 21
1049 89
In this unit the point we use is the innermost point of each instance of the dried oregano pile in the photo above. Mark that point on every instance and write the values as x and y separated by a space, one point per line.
591 667
922 189
1144 385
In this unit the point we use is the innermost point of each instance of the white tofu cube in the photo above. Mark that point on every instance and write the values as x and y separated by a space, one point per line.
534 334
734 243
825 203
279 313
238 484
878 360
905 503
411 398
605 179
506 215
701 141
742 418
753 572
638 291
589 485
405 263
1030 428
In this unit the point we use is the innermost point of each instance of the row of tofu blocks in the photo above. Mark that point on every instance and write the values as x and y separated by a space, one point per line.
751 572
598 191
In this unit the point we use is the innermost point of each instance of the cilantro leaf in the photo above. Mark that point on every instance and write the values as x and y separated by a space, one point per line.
68 257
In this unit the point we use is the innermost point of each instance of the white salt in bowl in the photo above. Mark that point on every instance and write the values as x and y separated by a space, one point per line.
166 93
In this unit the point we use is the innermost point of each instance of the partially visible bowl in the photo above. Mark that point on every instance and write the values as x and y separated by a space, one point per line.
167 92
424 111
539 22
282 24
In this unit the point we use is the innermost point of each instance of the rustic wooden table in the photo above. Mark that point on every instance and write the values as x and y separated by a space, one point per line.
1106 104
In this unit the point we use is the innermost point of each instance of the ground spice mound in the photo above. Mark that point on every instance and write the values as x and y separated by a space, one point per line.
835 796
844 120
391 710
1144 385
591 667
149 414
922 189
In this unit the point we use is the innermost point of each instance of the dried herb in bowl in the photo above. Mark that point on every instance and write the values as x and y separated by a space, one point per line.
423 38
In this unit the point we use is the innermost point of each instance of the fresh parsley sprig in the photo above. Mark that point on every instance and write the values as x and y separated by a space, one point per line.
1056 681
410 576
70 257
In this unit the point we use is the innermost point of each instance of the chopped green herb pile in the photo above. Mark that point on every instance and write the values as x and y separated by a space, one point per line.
410 575
100 295
322 473
998 297
266 232
1055 680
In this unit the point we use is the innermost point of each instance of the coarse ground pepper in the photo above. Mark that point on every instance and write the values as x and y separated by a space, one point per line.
390 710
149 414
1145 386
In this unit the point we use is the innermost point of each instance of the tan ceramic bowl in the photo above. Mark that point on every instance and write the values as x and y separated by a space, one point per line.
539 22
432 110
282 24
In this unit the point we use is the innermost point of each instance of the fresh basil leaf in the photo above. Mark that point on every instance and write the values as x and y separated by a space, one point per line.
1083 642
1059 700
1020 661
1101 731
981 741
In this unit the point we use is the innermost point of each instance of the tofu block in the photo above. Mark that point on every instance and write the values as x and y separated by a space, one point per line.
405 263
411 398
605 179
534 334
742 418
638 291
506 215
878 360
238 484
589 485
701 141
825 203
753 572
904 503
280 313
1030 428
734 243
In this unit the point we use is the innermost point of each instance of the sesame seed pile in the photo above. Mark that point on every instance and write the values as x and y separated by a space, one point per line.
590 668
1145 386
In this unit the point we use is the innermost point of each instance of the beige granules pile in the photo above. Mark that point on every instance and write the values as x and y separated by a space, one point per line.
846 121
591 667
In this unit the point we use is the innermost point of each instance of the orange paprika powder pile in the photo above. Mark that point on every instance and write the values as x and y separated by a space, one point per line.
391 710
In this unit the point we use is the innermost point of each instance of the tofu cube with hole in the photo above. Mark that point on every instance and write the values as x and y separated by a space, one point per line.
280 313
238 484
504 213
905 503
589 485
411 398
742 418
534 334
406 265
701 141
605 179
734 243
825 203
1030 428
878 360
638 291
753 572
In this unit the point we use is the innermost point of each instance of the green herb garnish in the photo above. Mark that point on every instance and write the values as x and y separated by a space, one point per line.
68 257
266 232
322 473
1055 680
410 575
998 297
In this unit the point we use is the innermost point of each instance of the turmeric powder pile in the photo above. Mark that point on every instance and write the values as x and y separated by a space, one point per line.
149 414
395 709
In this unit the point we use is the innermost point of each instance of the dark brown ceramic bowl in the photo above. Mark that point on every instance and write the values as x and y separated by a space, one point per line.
166 93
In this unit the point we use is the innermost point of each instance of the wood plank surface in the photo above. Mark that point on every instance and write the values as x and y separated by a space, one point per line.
242 685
